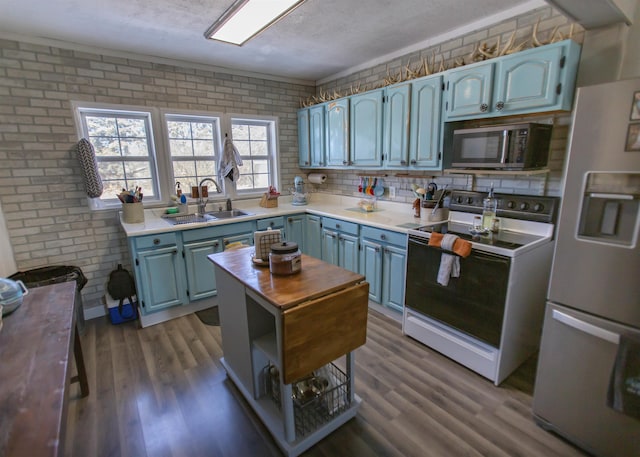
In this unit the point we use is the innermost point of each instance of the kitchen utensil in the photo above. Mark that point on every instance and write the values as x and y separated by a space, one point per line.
378 189
373 184
11 295
431 189
360 185
444 189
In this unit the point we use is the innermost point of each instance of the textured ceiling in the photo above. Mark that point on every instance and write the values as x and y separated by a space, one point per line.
321 38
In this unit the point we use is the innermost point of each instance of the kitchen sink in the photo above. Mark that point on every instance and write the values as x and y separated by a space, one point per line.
226 214
178 219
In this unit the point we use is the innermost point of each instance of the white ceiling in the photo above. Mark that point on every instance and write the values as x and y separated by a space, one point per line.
320 39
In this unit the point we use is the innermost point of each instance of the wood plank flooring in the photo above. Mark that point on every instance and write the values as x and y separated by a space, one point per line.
161 391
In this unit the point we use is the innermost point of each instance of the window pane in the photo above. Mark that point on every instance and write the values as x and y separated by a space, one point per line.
261 181
206 169
181 148
101 126
134 147
106 147
203 148
259 148
243 147
179 129
240 132
137 170
258 132
111 171
182 169
260 166
131 128
245 182
202 130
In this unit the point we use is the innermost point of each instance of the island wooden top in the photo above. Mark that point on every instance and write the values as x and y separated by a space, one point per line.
317 278
35 346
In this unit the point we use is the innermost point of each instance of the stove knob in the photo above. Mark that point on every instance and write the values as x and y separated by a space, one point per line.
524 206
511 204
458 199
538 207
469 200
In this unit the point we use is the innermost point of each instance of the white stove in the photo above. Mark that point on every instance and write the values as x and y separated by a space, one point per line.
489 318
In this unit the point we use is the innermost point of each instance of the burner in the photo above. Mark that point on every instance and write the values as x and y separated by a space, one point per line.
503 239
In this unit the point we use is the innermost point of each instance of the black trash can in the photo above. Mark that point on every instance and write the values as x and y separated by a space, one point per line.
53 275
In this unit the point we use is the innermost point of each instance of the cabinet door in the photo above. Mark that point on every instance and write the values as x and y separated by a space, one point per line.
313 236
295 230
316 135
162 278
396 126
529 82
393 277
426 103
337 118
366 129
348 252
304 151
371 268
469 91
200 276
330 243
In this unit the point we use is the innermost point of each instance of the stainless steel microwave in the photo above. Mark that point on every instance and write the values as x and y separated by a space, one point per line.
506 147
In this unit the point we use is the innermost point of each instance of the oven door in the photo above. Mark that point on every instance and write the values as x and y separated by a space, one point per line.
478 148
473 303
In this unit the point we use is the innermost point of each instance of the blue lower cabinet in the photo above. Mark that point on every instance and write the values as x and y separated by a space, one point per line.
161 279
200 271
383 261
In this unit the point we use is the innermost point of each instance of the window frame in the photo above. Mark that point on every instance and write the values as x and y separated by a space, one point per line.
161 153
273 145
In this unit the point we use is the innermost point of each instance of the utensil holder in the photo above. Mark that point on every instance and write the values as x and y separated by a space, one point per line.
132 213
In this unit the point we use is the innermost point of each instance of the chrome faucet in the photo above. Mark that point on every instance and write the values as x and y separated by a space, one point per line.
202 203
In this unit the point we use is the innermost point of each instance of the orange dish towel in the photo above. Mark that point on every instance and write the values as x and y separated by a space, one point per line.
460 247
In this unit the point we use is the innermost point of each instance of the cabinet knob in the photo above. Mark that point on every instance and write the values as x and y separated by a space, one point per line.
344 162
403 162
383 237
271 224
484 108
337 226
499 106
156 241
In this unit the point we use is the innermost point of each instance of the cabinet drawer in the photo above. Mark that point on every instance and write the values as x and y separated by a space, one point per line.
273 222
205 233
337 224
385 236
155 241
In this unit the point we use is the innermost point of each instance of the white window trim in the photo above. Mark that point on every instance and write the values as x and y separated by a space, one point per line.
275 148
160 137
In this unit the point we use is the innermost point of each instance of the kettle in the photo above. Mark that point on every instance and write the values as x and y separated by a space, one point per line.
11 295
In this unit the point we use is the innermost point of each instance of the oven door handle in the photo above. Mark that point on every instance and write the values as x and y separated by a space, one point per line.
586 327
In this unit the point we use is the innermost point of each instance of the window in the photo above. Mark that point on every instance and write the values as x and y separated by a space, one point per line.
193 147
124 148
153 149
255 141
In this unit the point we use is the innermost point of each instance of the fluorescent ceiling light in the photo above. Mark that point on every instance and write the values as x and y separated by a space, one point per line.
246 18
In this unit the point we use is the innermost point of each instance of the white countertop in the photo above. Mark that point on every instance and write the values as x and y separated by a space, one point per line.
388 215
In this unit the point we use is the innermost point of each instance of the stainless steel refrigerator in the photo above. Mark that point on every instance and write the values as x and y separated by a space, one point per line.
587 386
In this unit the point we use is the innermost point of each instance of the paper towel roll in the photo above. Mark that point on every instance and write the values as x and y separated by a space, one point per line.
316 178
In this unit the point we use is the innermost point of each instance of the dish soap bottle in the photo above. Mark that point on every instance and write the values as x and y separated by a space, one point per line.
489 207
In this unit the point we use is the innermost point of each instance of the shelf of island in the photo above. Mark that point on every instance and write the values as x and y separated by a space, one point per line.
280 332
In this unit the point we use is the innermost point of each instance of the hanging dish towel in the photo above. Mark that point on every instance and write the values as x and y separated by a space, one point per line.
449 263
624 386
89 166
230 161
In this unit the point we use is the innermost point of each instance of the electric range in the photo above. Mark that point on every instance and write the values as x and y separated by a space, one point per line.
489 317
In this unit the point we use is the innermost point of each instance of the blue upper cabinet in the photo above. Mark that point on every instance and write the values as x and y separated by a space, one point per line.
426 125
317 136
304 151
397 102
337 119
532 81
366 129
469 91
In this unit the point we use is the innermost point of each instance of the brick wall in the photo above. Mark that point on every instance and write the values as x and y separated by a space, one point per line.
346 182
41 190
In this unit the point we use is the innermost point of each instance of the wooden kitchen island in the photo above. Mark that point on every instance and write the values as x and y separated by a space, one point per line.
281 336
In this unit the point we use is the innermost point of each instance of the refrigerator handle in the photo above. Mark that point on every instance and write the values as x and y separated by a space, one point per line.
586 327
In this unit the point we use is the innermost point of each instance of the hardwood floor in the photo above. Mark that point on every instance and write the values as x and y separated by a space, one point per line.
161 391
